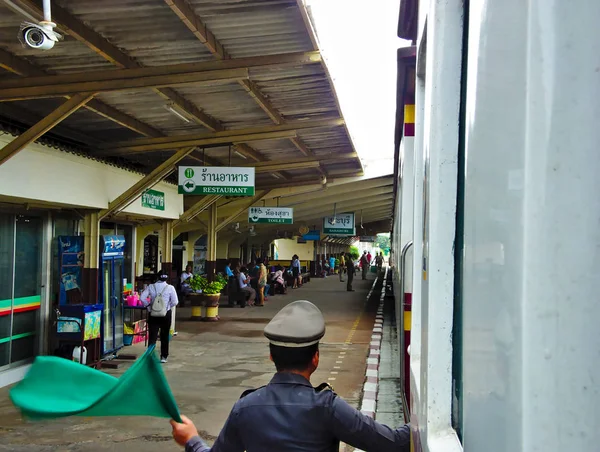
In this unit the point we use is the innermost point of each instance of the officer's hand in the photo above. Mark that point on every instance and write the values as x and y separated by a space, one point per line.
182 433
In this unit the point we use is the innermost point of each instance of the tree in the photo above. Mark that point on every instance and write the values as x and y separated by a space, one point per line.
354 253
383 242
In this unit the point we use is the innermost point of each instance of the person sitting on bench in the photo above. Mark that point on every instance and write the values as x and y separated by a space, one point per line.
184 280
244 281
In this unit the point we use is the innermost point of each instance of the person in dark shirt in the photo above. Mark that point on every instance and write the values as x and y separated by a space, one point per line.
350 269
289 414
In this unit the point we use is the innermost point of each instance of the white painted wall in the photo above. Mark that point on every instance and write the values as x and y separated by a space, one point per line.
40 173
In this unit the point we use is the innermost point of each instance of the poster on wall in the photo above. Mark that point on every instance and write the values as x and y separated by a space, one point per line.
341 224
199 267
71 256
216 180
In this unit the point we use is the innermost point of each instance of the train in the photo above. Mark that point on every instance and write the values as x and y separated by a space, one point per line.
496 228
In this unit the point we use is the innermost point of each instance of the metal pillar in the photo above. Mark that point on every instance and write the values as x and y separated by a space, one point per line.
166 245
211 242
212 307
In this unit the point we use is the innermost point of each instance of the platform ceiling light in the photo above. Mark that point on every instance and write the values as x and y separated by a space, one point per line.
173 109
276 176
239 154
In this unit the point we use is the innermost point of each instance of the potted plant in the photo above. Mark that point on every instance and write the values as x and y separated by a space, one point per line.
206 293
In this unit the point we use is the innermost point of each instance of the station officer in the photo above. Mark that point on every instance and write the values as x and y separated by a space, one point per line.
289 414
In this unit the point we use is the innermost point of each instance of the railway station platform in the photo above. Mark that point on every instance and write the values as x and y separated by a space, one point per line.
210 365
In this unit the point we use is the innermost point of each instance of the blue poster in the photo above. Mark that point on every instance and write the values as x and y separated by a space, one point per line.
114 245
70 255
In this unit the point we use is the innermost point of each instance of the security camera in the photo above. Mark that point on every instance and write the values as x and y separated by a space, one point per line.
38 36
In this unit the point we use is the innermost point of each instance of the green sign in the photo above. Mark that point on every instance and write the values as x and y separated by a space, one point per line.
215 180
341 224
271 215
153 199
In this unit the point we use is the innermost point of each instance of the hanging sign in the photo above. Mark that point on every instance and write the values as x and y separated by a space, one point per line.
277 215
367 238
341 224
312 234
216 180
153 199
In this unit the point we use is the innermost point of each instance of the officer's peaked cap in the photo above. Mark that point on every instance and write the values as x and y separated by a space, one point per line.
299 324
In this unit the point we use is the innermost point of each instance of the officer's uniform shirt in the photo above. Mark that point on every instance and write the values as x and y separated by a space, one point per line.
289 414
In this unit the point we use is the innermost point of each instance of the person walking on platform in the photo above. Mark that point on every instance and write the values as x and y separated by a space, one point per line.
379 261
364 265
350 271
342 266
160 298
296 271
289 413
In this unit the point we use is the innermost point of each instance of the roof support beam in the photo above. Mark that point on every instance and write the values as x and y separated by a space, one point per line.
308 181
187 15
352 194
287 130
158 174
298 163
328 210
196 209
240 210
22 67
40 128
158 74
339 190
118 82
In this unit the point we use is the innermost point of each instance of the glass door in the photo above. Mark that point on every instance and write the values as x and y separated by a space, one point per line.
20 287
107 279
117 305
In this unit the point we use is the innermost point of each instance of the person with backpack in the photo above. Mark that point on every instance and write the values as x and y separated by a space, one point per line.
160 298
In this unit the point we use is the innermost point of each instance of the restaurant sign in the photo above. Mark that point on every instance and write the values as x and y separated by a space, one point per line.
153 199
216 180
271 215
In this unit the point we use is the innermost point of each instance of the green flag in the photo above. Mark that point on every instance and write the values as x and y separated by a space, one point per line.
56 387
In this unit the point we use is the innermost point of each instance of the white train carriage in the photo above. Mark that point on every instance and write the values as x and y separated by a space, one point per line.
498 183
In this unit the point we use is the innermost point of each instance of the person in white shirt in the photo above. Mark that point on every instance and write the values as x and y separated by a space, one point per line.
244 285
185 276
162 324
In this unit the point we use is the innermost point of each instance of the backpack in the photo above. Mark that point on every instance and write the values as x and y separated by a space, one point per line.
159 306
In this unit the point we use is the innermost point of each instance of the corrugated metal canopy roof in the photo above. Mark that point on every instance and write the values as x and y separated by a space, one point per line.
288 91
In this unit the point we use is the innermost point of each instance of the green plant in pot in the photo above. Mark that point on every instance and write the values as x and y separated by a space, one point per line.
211 291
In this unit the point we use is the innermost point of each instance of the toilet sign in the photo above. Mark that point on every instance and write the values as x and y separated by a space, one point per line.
216 180
271 215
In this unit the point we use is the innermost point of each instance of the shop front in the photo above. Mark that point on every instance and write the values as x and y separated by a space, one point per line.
22 290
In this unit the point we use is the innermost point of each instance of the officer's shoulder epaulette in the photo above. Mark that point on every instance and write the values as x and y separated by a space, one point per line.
324 387
249 391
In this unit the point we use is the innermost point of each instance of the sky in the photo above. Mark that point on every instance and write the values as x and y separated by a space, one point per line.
358 39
